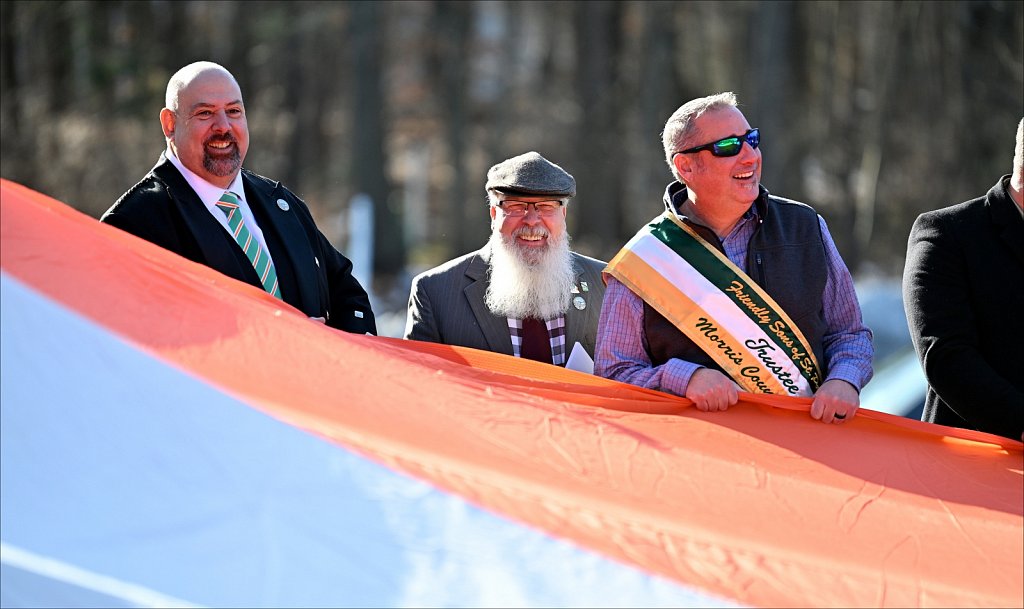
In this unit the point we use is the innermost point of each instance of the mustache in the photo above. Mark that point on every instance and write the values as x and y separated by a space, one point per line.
216 139
526 231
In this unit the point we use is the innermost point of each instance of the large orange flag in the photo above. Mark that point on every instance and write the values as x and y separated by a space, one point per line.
759 504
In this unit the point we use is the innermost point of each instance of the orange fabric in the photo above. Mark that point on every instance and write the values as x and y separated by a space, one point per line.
759 504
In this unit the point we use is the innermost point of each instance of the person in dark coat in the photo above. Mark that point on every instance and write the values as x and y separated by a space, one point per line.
963 290
200 203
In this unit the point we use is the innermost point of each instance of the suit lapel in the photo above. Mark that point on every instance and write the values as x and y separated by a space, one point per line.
1007 222
575 318
493 327
580 323
294 260
217 249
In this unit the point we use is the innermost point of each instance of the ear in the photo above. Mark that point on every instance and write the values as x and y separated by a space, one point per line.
684 165
493 210
167 122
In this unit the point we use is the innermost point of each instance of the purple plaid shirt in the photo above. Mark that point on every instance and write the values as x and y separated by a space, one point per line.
621 352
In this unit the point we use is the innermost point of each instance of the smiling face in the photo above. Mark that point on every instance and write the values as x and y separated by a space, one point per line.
729 184
530 234
207 129
531 270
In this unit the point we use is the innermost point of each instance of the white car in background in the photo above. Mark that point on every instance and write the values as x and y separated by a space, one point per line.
899 385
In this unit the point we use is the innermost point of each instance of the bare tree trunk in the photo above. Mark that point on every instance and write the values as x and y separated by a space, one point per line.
775 95
599 185
368 161
452 26
11 94
650 94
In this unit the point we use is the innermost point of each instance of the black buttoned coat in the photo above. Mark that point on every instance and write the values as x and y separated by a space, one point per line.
963 290
313 276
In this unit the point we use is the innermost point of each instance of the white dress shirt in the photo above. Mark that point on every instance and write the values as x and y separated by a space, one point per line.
210 194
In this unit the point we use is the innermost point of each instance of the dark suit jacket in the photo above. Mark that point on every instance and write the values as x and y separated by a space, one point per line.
963 289
313 276
446 305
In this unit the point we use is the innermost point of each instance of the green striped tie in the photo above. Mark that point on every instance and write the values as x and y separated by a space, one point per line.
260 261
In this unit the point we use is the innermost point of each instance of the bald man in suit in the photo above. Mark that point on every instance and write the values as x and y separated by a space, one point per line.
200 203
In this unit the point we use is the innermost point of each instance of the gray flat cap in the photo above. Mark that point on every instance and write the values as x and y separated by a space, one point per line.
530 174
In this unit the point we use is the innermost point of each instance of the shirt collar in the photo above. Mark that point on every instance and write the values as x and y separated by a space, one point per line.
675 196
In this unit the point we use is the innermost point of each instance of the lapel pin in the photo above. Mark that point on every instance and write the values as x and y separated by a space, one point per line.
283 204
586 288
574 290
579 303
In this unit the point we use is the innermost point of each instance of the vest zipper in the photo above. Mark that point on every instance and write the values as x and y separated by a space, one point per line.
760 269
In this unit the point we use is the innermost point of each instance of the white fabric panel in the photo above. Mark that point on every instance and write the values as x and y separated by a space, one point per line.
148 486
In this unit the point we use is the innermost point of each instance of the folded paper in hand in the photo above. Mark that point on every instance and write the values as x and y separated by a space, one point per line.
580 360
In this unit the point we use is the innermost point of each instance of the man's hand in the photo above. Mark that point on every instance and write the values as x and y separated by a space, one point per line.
711 391
836 401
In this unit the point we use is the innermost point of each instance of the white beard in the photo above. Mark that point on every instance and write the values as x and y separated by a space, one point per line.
529 284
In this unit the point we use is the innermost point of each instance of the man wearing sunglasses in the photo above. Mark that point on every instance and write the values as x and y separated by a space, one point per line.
525 293
731 288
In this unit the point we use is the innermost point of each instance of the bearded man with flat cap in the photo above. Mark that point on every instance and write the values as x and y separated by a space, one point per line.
524 293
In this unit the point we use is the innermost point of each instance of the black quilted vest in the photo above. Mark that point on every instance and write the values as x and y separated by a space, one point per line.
786 257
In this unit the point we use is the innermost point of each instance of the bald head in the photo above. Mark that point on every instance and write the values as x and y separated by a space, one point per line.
204 122
1017 177
185 76
1018 157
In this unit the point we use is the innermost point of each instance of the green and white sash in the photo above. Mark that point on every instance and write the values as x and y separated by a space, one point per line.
717 306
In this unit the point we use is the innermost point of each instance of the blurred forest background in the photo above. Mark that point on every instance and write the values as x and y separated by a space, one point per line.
870 111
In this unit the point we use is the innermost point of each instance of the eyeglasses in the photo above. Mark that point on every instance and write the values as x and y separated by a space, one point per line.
729 146
516 209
